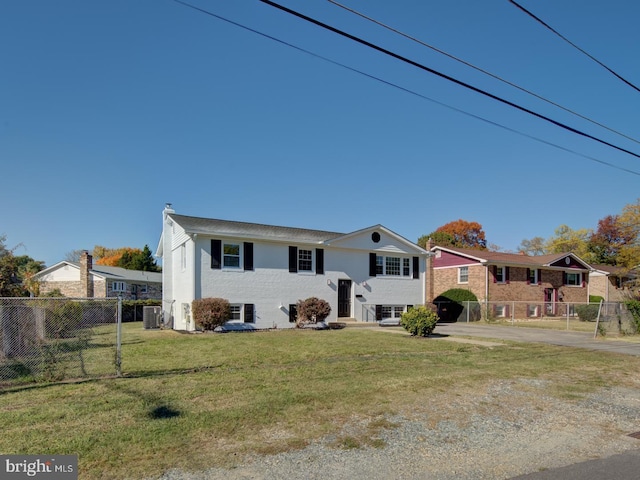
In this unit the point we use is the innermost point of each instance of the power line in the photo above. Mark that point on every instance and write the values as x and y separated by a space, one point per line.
453 57
574 45
446 77
406 90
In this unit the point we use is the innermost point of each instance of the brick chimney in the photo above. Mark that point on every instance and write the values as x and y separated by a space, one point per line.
86 283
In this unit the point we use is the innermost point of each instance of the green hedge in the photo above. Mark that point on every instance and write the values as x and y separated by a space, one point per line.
452 302
587 313
634 308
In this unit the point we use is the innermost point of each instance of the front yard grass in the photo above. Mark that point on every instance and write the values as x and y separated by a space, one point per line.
196 401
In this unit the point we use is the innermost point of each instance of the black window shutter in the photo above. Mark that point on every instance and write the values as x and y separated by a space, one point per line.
293 313
494 271
216 253
539 276
378 312
248 256
416 267
320 261
293 259
506 274
372 264
528 276
248 313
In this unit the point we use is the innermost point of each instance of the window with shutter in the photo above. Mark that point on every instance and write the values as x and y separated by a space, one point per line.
248 256
372 264
293 259
216 254
248 313
319 261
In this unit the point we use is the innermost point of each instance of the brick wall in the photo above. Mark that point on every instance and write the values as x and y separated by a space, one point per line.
68 289
447 278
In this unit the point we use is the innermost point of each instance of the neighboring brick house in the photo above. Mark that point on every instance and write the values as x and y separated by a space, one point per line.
533 285
611 283
84 280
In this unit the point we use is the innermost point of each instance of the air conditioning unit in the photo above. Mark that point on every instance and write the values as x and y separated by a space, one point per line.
151 317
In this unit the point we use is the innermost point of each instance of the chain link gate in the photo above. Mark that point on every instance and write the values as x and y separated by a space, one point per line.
54 339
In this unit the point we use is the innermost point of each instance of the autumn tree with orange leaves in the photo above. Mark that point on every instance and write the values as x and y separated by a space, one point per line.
465 234
126 257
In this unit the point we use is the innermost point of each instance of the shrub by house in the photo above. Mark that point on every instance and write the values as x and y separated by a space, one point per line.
419 321
312 310
209 313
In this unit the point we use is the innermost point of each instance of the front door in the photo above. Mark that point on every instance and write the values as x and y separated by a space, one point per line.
550 301
344 298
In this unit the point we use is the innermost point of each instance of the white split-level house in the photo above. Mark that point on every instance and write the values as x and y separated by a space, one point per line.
263 270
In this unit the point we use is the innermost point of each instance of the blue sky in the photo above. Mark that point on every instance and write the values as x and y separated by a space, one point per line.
110 109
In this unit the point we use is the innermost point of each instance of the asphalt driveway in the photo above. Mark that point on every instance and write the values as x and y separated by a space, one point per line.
538 335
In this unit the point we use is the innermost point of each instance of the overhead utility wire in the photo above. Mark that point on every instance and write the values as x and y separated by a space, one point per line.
482 70
574 45
477 117
445 76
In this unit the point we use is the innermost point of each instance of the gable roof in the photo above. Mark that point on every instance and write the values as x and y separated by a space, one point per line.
111 273
209 226
382 228
614 270
501 258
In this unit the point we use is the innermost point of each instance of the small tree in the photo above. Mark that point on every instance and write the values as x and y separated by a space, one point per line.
209 313
312 310
419 321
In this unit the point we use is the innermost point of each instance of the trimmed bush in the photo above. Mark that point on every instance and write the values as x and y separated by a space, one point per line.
63 318
458 295
595 299
419 321
587 313
209 313
312 310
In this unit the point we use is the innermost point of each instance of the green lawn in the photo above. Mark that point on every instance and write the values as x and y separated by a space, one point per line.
203 400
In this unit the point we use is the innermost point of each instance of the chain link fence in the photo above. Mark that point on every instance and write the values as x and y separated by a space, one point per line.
56 339
610 318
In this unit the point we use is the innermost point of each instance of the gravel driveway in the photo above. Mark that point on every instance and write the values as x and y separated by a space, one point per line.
508 428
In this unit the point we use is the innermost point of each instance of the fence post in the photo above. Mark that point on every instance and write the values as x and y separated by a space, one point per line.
119 338
595 333
468 308
567 307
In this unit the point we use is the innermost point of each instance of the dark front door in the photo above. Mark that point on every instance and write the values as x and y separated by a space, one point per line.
344 298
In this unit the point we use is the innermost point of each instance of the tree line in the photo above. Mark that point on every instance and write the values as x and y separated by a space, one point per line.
615 241
17 271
